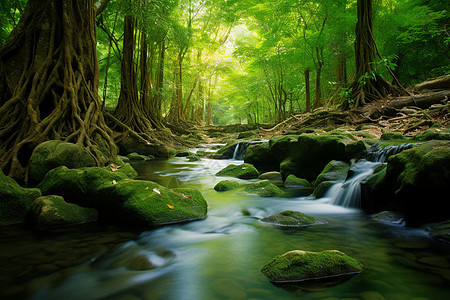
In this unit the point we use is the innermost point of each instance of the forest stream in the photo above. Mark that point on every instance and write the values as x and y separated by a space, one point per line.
220 257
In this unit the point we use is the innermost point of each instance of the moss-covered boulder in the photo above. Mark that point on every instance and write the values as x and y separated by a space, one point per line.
433 134
52 211
226 185
389 135
308 156
128 144
260 156
243 171
333 172
120 199
273 176
264 188
14 200
80 185
297 265
146 203
52 154
138 157
292 218
420 178
293 181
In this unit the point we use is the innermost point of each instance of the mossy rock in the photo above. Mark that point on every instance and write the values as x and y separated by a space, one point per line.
226 185
433 134
297 265
138 157
260 156
80 185
333 171
322 189
420 173
386 216
273 175
52 211
292 218
388 135
294 181
309 155
52 154
193 158
146 203
264 188
243 171
246 135
14 200
183 153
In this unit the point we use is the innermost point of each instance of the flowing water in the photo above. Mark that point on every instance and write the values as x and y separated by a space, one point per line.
219 257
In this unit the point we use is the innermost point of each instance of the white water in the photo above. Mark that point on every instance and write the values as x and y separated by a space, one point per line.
348 193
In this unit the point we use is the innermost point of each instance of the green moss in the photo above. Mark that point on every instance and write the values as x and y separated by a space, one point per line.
265 188
260 156
14 200
226 185
52 154
243 171
292 219
433 134
146 203
333 171
294 181
321 189
299 265
52 211
138 157
388 135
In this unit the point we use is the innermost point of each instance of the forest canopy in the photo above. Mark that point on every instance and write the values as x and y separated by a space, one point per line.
251 61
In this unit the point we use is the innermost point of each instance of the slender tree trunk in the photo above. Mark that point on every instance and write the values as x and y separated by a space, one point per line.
308 92
49 80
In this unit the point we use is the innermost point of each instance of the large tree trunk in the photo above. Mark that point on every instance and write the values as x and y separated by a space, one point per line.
49 83
368 86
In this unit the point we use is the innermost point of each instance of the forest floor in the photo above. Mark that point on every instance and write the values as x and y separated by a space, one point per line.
408 115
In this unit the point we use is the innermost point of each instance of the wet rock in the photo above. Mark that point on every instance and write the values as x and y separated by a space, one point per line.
334 171
264 188
294 181
261 157
14 200
322 189
298 265
433 134
292 219
52 211
274 176
226 185
243 171
52 154
420 173
440 230
138 157
183 153
389 217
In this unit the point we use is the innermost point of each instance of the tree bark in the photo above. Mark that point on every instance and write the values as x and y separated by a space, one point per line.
308 92
49 83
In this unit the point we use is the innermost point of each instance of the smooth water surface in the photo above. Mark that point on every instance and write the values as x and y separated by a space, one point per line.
220 257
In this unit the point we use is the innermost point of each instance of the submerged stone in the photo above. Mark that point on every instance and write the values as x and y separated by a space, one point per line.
243 171
297 265
14 200
440 230
52 154
226 185
138 157
52 211
292 218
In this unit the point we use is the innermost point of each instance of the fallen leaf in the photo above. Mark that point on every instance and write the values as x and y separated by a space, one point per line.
128 179
146 188
114 182
170 206
185 196
114 167
157 191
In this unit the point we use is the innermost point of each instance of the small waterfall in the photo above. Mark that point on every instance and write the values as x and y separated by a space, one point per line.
348 192
242 147
236 151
